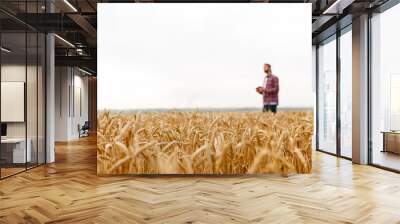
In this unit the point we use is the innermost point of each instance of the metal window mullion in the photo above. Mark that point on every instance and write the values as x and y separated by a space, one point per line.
45 94
60 75
369 89
0 95
338 92
73 91
26 86
37 91
317 97
69 93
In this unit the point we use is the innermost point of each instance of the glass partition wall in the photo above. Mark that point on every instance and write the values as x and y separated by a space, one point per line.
334 126
13 123
22 107
327 95
334 82
385 90
346 75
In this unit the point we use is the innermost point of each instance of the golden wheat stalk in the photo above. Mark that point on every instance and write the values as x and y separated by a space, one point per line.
204 142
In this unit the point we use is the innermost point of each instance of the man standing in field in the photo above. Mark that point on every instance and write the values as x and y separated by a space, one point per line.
269 90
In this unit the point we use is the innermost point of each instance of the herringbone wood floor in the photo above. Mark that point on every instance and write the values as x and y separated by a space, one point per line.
69 191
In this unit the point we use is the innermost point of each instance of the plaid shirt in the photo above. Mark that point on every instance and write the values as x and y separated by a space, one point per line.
270 95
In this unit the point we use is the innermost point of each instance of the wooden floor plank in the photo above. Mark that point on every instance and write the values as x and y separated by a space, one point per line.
69 191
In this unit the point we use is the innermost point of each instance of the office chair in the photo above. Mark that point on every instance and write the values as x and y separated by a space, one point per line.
84 130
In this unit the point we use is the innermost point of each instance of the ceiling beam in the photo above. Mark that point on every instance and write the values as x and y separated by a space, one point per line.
85 25
338 6
82 61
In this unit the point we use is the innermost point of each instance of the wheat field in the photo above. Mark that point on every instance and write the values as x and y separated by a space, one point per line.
204 142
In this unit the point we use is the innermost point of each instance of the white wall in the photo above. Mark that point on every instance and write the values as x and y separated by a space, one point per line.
62 81
33 127
202 55
80 83
68 80
15 72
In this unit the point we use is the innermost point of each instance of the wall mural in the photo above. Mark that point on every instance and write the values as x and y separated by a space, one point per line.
204 89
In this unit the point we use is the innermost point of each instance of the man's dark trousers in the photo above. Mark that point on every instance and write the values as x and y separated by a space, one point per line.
271 108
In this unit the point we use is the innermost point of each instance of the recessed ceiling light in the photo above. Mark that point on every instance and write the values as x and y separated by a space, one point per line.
70 5
64 40
84 71
338 6
5 50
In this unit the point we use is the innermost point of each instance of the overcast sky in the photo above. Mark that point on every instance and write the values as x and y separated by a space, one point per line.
202 55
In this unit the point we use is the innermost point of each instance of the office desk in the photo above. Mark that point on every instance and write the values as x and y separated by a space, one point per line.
391 141
13 150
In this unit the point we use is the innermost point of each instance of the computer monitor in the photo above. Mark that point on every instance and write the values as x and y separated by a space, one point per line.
3 129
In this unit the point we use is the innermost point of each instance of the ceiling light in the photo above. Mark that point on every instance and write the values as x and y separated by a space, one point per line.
70 5
338 6
79 51
84 71
5 50
64 40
